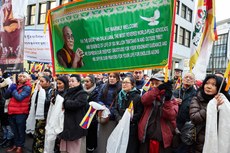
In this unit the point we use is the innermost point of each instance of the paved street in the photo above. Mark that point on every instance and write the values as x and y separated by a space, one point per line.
27 148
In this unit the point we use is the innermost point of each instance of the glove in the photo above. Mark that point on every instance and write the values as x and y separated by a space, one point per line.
13 87
166 86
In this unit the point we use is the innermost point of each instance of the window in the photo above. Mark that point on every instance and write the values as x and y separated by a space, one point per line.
175 32
218 60
189 15
181 36
43 8
64 1
184 37
30 18
51 5
177 6
42 13
183 11
187 38
186 13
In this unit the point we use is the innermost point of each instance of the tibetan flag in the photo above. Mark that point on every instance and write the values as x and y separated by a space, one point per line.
203 36
131 109
166 70
43 67
32 68
178 83
147 85
85 123
227 76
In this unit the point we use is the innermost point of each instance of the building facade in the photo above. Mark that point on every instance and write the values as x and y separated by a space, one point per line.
220 51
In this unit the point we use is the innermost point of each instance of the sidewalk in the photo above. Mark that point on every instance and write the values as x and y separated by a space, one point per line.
27 148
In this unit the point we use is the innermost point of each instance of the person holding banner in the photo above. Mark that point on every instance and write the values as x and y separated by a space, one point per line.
75 103
130 94
66 56
11 34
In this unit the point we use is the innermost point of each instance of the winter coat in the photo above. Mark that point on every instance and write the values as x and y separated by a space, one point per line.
19 99
186 95
75 103
198 116
168 113
134 96
113 90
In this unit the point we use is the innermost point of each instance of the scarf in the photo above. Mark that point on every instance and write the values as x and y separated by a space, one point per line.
89 91
206 97
36 110
217 133
123 96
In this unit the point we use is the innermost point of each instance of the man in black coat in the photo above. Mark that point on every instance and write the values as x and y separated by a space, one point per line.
184 96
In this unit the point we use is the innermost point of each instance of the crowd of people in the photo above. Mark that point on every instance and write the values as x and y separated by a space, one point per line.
159 112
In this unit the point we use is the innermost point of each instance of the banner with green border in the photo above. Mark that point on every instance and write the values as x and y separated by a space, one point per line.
114 35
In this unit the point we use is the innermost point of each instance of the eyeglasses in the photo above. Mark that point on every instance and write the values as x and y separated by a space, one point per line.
126 82
69 36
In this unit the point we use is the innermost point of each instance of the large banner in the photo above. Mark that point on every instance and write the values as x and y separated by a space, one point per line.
11 39
37 46
115 35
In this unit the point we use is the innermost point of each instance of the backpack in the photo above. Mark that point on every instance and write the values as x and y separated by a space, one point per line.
189 132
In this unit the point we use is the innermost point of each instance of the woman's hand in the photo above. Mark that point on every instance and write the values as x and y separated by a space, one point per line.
219 99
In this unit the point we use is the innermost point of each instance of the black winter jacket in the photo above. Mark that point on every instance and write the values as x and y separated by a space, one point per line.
186 95
75 105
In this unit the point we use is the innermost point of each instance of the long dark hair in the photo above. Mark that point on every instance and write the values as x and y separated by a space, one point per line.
107 85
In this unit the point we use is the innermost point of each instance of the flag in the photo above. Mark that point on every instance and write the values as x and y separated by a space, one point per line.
85 123
32 68
38 67
131 109
202 38
227 76
43 67
166 70
178 83
146 86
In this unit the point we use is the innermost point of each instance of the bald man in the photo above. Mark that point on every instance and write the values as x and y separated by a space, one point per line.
66 56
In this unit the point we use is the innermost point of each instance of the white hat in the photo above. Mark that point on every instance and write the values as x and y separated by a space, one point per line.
158 76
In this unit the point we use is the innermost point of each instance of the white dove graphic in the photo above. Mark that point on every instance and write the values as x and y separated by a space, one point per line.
152 20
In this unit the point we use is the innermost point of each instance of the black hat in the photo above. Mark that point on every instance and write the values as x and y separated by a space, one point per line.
178 69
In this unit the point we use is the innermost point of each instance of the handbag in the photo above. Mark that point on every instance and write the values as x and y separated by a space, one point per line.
189 132
101 119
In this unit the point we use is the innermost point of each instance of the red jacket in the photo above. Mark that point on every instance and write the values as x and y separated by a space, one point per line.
19 103
169 113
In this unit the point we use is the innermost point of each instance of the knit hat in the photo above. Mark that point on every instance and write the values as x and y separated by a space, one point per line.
92 78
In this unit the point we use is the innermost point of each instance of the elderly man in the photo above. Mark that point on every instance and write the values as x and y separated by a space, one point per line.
18 110
183 97
66 56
